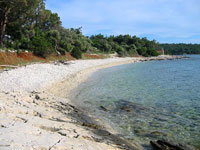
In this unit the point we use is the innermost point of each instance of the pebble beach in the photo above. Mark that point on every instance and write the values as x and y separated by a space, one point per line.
36 114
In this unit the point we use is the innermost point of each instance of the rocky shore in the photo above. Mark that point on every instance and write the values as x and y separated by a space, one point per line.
35 113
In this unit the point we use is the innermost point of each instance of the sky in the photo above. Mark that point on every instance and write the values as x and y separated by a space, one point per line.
166 21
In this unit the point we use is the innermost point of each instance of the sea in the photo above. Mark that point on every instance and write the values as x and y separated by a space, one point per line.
146 101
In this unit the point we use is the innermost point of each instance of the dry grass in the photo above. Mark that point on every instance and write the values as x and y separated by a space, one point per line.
22 58
11 58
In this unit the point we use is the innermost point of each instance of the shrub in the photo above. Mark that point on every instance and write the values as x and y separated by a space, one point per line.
121 52
76 53
132 52
16 44
25 43
152 52
40 46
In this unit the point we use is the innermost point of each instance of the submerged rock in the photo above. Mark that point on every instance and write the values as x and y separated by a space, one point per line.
168 145
130 107
103 108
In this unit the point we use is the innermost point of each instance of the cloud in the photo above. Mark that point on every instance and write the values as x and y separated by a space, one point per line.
158 19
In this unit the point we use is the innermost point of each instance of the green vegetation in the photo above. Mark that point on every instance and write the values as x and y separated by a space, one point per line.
125 45
28 25
76 53
179 49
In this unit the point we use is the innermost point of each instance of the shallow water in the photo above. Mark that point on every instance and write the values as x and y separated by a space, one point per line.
147 100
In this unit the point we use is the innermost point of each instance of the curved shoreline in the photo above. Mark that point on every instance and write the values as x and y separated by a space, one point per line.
67 84
32 105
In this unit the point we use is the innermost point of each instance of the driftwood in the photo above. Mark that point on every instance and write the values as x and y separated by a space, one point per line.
62 62
6 67
9 66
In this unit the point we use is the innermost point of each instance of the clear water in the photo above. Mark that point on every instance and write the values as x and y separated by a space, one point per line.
147 100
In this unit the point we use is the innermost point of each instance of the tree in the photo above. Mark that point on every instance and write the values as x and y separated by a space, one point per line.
6 7
25 23
40 45
181 48
53 37
19 19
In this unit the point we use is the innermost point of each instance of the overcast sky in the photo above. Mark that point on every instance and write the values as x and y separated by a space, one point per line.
171 21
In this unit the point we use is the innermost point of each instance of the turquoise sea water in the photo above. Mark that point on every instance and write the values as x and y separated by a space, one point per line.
147 100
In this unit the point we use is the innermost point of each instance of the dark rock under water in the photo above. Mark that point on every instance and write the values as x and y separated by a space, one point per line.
169 145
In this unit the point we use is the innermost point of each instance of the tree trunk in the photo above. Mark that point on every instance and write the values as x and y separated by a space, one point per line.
57 52
3 24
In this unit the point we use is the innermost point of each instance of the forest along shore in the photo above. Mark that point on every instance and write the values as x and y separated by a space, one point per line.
34 113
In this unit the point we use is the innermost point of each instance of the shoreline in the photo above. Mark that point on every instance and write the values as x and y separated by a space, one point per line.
36 107
72 81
